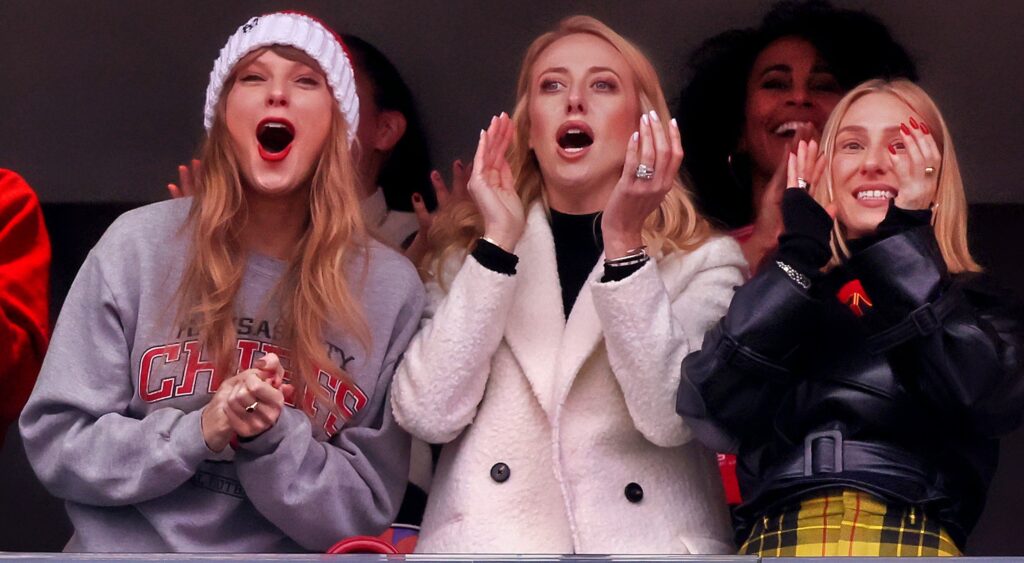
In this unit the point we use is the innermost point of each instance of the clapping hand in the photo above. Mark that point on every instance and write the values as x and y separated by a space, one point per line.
493 188
257 397
768 221
804 167
653 157
246 404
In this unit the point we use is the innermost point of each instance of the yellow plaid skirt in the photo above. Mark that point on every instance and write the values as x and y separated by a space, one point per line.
848 522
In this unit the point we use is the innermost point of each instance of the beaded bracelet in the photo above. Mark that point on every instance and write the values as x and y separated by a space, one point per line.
800 279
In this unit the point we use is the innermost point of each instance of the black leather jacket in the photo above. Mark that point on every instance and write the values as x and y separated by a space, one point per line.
905 401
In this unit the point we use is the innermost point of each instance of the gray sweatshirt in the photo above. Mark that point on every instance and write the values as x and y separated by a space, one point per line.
113 425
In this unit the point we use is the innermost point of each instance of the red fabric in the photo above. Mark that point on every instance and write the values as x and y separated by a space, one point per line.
727 462
853 296
24 293
727 467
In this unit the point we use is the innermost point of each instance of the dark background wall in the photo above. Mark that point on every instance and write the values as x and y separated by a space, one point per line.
100 100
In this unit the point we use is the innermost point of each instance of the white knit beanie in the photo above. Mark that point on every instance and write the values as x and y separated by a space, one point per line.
294 30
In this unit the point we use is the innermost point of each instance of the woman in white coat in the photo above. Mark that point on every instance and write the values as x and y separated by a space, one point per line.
548 373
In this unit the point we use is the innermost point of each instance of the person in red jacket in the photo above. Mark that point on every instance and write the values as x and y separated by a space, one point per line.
24 292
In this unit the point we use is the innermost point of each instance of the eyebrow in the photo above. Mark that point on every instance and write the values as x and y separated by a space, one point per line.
859 129
591 70
783 67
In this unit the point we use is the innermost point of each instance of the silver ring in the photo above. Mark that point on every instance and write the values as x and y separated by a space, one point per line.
929 170
802 184
252 408
644 172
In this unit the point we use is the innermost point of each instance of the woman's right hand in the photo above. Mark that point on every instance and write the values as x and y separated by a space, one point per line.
768 224
186 180
493 186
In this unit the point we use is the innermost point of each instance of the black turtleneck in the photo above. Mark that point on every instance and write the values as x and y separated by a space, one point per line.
578 244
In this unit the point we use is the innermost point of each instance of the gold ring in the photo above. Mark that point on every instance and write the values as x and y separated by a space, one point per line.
928 170
252 408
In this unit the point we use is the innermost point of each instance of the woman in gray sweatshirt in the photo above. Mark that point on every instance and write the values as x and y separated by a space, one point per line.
218 377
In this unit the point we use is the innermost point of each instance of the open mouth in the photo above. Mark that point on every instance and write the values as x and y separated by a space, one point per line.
573 138
275 137
788 129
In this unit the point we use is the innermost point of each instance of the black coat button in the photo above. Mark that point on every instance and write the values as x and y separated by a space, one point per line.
500 472
634 492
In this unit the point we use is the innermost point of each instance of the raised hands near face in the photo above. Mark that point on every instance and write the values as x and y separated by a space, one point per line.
883 151
804 243
916 165
653 157
768 219
446 197
804 167
492 185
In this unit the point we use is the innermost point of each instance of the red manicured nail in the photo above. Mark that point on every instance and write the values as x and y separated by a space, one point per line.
924 128
904 128
417 198
892 149
435 174
913 122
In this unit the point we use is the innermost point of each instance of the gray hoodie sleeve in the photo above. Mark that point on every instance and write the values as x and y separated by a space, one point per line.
321 492
78 436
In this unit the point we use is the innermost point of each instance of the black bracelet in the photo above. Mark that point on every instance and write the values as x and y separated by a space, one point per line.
495 258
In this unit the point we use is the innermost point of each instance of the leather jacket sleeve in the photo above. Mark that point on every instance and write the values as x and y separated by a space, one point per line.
955 340
743 366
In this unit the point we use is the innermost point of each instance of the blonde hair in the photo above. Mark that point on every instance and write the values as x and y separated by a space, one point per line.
675 225
314 291
949 216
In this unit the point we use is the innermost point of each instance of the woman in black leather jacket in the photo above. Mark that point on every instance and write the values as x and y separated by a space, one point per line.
864 379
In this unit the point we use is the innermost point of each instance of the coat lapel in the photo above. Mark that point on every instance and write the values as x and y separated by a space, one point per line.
582 334
536 322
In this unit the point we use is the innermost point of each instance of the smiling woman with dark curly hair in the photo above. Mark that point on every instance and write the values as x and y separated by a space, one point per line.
751 92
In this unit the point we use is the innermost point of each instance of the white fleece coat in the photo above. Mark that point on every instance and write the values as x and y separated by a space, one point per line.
578 410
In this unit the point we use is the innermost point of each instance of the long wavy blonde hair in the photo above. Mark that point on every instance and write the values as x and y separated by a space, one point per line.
675 225
950 207
314 292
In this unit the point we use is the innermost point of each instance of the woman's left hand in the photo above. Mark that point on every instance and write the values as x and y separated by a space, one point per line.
186 180
916 166
656 146
257 397
446 197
